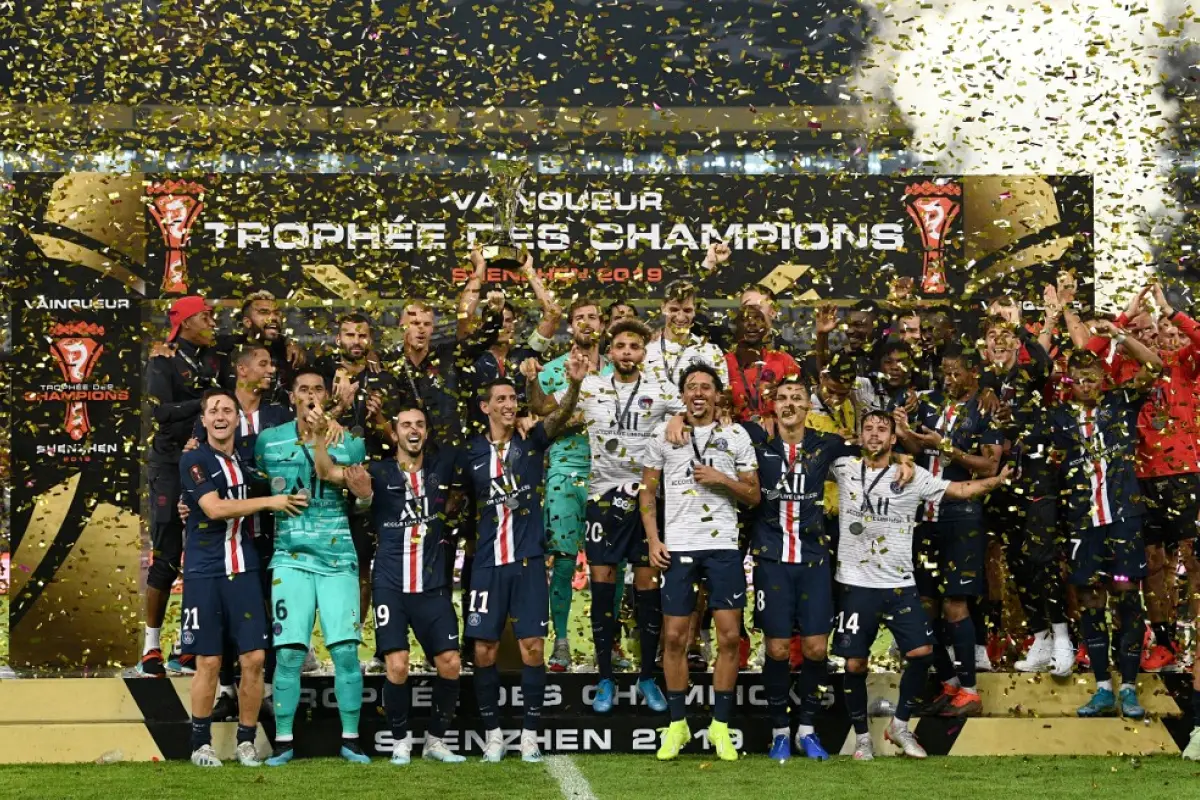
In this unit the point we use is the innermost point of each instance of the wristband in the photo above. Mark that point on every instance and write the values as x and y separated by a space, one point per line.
364 502
1171 317
538 343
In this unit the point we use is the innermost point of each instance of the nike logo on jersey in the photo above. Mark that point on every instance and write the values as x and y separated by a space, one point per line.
770 455
394 488
739 594
478 466
214 474
545 622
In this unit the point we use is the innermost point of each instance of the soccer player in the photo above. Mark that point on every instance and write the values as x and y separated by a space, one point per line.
222 593
504 471
754 368
315 567
621 413
676 348
567 476
792 576
1095 442
175 385
1025 515
703 482
954 436
361 389
255 378
410 504
875 570
262 326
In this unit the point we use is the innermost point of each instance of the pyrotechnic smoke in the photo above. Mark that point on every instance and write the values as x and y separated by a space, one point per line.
1042 87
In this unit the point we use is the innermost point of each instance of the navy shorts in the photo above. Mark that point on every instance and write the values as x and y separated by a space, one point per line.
722 573
950 556
430 614
864 609
793 597
614 528
220 609
1172 509
516 591
1105 552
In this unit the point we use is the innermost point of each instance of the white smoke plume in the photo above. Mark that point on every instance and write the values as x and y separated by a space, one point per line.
1042 87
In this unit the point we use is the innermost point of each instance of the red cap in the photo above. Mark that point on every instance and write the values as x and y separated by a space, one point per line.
184 308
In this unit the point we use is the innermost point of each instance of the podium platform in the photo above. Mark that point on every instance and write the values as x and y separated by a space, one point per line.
138 719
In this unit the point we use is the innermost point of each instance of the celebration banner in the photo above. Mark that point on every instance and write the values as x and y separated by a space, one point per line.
95 250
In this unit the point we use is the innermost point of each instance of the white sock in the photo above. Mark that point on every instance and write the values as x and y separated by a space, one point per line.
900 724
1061 632
780 732
804 730
495 733
226 690
153 640
1042 635
283 738
1104 685
1129 686
955 682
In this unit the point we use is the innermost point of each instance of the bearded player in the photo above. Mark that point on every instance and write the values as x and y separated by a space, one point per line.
410 585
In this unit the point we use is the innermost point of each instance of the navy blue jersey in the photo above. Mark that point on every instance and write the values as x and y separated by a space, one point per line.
968 428
507 485
1098 446
409 512
213 548
789 522
250 426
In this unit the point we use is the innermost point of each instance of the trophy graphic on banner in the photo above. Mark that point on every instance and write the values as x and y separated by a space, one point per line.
933 206
76 349
507 178
175 207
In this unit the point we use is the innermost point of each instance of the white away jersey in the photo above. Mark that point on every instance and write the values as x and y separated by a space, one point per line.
875 522
621 418
699 517
666 361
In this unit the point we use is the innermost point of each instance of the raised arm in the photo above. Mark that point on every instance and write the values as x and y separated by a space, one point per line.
577 369
1149 359
539 402
826 323
468 301
551 311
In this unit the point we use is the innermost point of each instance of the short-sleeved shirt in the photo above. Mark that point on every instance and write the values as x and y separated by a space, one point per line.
213 548
875 526
969 429
747 384
568 454
318 540
507 482
1098 468
700 517
618 449
666 361
790 518
409 513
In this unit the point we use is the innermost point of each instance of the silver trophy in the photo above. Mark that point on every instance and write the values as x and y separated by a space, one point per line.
507 177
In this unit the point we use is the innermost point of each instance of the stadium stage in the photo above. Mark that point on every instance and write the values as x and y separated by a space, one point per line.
136 719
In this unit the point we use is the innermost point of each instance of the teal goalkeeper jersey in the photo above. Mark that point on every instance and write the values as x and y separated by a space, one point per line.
319 539
570 454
